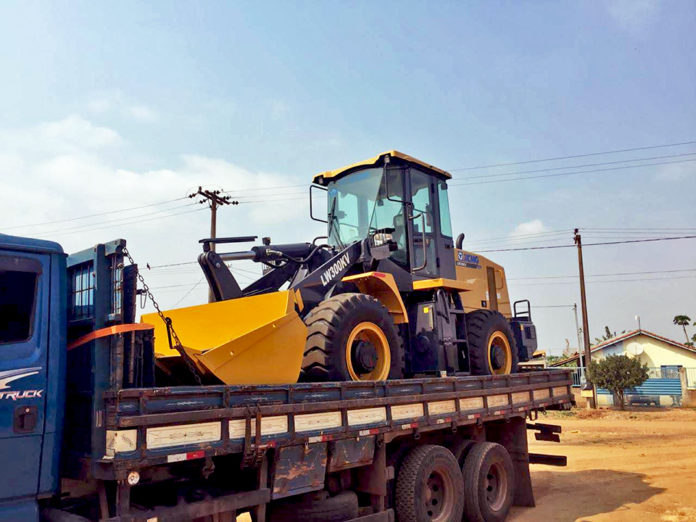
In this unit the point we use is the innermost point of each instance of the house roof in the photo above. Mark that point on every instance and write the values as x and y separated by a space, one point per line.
623 337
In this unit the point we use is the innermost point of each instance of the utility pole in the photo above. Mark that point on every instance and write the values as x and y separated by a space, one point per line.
578 332
214 200
583 304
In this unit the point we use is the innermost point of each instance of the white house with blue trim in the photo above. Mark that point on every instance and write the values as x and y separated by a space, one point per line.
663 357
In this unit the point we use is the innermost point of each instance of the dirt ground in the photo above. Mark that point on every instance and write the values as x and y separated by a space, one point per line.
622 466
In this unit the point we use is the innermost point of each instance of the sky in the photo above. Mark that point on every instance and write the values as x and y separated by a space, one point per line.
118 111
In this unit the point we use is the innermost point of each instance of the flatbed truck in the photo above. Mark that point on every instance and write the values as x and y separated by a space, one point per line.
86 432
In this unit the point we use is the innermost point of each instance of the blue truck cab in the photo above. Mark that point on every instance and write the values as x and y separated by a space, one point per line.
49 302
33 308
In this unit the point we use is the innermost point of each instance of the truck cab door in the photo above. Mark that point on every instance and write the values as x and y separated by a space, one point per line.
24 303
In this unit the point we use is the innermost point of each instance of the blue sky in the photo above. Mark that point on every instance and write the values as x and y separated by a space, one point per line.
105 107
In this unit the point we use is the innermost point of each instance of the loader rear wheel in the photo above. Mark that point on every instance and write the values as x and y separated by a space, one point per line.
351 337
492 348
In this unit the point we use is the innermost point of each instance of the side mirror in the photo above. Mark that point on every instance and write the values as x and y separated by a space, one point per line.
311 206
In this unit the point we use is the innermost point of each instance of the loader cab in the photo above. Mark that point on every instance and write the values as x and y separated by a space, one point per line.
396 194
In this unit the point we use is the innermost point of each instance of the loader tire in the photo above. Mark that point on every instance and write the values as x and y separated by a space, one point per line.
492 348
351 337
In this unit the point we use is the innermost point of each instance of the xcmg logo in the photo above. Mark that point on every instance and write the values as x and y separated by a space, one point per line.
7 376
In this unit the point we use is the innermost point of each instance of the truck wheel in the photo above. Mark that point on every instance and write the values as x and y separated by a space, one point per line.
429 486
315 507
351 337
489 483
492 348
460 449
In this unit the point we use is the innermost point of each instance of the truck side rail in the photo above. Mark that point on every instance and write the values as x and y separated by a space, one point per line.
156 426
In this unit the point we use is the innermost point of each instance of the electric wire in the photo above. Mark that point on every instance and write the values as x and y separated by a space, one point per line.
616 151
602 243
95 214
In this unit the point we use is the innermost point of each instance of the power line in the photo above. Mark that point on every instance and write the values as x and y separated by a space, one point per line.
648 240
139 221
93 215
572 173
575 156
606 275
549 169
554 283
89 226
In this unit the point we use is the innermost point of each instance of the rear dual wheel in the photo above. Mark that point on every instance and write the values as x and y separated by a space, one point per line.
351 337
489 482
429 486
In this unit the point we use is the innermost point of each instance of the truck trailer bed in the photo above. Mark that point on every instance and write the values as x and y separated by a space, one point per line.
155 426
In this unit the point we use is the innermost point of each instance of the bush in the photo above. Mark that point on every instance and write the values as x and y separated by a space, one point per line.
616 373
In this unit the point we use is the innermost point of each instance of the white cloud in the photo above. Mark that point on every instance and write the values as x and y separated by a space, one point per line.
70 135
142 113
61 170
633 15
530 227
115 102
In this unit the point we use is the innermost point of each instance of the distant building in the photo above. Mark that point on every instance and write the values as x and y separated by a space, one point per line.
664 357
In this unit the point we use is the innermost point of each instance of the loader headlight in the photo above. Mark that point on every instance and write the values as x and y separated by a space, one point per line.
381 238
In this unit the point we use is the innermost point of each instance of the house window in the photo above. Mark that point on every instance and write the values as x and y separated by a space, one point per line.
670 372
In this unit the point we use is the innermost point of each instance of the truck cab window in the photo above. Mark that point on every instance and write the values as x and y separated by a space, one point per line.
17 297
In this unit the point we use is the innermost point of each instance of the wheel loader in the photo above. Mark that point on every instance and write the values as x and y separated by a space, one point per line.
388 293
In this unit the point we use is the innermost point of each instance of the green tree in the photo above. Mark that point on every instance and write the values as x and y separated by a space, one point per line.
683 321
616 373
608 334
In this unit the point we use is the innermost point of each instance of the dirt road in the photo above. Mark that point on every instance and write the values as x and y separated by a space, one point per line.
622 466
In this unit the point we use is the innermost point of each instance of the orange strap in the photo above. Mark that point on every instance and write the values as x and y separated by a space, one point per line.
109 330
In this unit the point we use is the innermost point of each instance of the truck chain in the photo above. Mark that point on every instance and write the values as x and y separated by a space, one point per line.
176 345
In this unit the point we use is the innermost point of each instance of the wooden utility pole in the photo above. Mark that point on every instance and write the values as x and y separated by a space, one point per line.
583 304
214 200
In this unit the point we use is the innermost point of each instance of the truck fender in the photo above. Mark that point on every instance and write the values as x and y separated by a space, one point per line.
382 287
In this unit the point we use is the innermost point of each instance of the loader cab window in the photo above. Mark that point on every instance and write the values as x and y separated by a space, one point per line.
424 244
17 300
363 202
350 206
443 200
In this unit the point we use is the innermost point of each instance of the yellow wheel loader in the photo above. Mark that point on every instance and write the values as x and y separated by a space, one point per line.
388 293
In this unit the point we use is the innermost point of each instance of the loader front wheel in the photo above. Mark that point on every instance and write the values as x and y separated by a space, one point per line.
351 337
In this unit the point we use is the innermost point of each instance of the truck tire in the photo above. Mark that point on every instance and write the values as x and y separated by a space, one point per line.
315 507
489 483
351 337
429 486
460 449
492 348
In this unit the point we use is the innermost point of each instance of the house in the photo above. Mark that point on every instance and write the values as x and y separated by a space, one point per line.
663 357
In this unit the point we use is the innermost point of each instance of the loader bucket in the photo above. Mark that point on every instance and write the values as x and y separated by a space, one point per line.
250 340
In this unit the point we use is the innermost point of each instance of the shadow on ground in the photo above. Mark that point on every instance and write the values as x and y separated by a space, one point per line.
568 496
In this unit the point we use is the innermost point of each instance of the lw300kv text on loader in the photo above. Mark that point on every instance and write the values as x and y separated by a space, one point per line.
386 294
